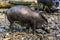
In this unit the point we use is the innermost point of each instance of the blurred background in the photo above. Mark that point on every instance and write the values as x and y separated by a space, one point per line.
51 7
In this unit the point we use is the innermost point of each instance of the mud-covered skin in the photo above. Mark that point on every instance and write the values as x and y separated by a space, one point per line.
25 16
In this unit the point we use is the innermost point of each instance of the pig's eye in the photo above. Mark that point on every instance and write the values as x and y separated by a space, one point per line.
3 12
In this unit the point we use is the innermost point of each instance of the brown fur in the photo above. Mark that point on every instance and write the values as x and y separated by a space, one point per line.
25 16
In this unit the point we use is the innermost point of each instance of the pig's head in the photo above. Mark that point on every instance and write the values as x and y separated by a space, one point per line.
3 11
